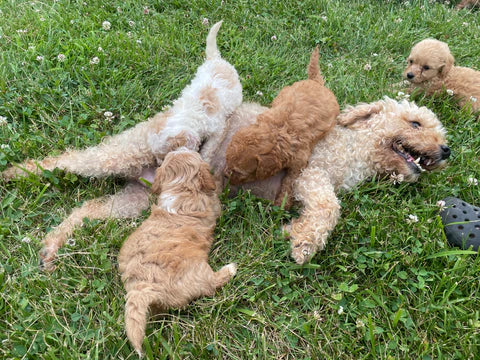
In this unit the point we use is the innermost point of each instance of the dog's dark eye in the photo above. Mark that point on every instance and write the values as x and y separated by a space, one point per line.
415 124
410 61
426 67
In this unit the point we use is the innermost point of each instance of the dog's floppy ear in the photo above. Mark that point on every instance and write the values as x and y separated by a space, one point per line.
207 181
157 182
268 165
362 112
445 68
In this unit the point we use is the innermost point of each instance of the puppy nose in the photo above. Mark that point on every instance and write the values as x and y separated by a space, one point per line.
410 75
445 151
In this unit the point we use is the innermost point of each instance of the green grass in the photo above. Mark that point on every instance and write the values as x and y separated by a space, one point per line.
381 289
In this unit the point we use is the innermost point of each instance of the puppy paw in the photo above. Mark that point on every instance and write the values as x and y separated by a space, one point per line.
302 251
232 269
47 260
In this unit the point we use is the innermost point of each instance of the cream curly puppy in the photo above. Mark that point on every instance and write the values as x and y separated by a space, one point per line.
197 117
164 263
386 137
430 68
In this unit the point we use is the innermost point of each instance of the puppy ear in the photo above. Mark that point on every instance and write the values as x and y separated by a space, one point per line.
268 165
362 112
157 182
445 69
207 181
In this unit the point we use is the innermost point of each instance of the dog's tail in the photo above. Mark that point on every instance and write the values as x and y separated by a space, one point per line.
212 50
314 69
136 310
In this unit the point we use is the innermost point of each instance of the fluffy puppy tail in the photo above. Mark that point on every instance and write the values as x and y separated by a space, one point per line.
136 310
212 51
313 68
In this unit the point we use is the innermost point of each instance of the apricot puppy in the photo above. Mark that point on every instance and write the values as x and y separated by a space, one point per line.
164 263
284 135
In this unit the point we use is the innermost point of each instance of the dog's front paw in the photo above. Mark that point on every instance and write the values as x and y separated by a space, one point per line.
232 269
47 258
302 251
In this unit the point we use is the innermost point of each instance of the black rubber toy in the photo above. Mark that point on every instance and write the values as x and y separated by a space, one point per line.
461 222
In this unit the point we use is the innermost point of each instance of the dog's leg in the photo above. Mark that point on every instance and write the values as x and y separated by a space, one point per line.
128 203
319 216
211 146
287 187
125 155
222 276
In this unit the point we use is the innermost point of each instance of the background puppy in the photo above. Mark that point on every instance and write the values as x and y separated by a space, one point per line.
164 262
430 68
197 117
283 136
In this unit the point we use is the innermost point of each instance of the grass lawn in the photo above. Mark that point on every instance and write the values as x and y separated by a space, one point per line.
385 287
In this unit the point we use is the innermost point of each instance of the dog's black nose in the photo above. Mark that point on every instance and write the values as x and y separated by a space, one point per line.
410 75
445 151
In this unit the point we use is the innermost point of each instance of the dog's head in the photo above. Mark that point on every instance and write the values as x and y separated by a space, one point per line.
184 182
407 139
429 59
251 155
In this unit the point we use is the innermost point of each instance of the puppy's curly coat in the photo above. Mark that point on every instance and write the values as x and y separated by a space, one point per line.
284 135
197 117
430 68
164 262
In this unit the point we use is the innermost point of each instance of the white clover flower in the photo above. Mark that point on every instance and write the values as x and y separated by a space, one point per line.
131 23
465 24
106 25
129 34
71 242
412 219
95 60
316 315
259 93
39 58
22 31
3 120
273 38
398 20
324 18
472 181
340 310
72 22
367 67
473 99
205 21
42 19
329 65
138 41
4 146
26 240
119 9
441 205
108 115
450 92
61 57
359 324
146 10
100 49
375 54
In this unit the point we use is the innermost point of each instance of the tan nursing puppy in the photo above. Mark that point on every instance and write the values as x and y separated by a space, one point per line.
164 263
284 135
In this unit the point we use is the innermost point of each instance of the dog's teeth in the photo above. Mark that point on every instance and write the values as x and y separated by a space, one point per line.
417 161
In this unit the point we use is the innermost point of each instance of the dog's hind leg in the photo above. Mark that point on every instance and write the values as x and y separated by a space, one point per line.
125 204
321 210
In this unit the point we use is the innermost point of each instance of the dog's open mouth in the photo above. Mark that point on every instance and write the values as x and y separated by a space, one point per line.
418 162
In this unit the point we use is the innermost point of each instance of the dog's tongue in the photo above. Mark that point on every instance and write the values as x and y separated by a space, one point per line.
410 158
